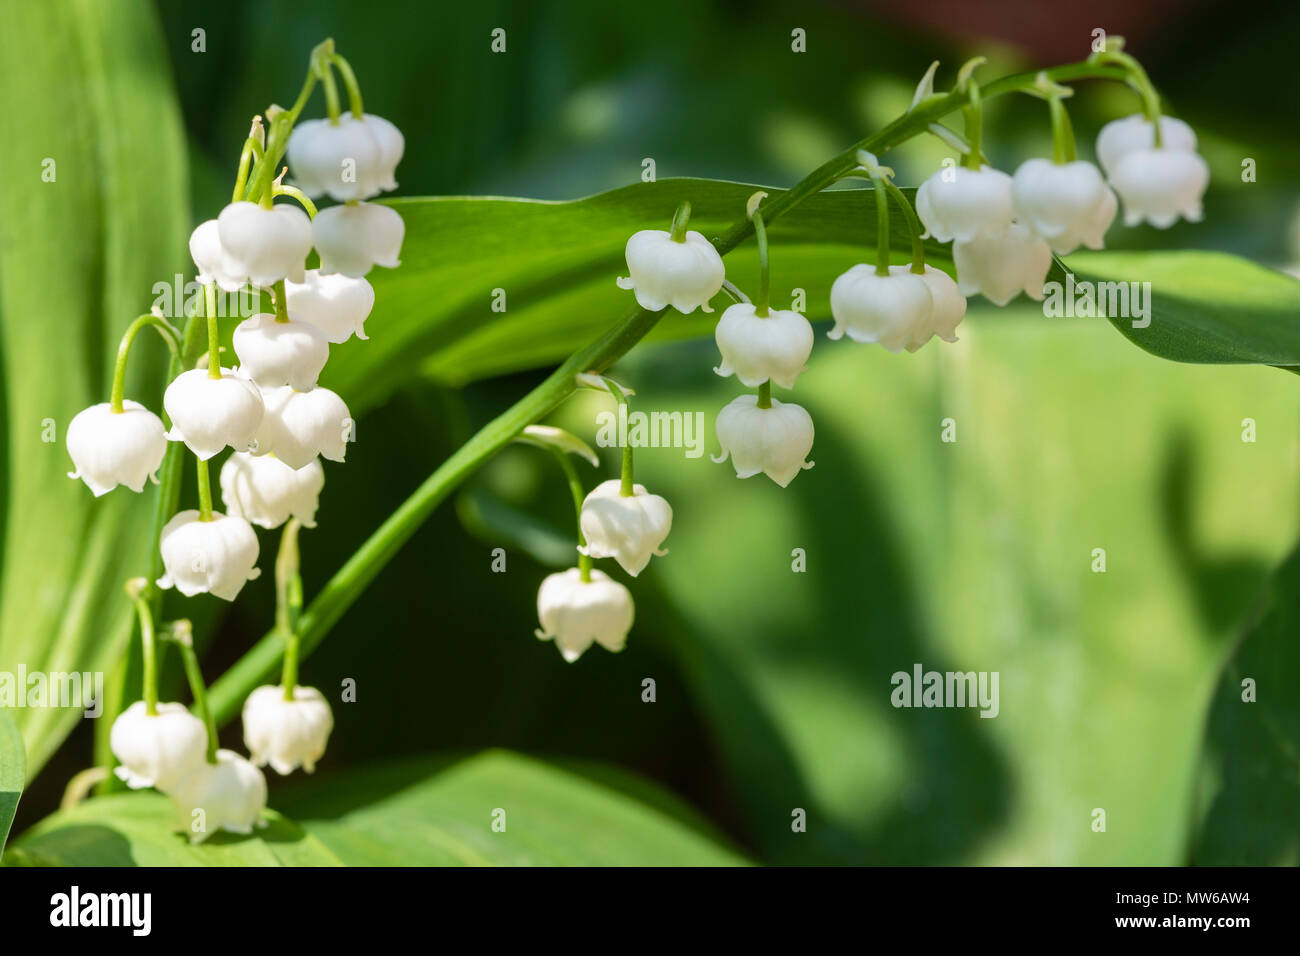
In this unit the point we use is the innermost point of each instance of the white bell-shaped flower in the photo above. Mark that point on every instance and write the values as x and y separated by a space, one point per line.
217 556
957 203
341 159
265 491
948 311
889 310
210 258
1003 265
629 529
116 448
353 239
287 734
1120 137
298 426
664 272
775 441
1159 185
1064 203
757 348
274 353
336 304
210 413
263 245
159 750
230 793
576 613
392 144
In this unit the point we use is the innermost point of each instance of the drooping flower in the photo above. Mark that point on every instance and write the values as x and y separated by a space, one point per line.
758 348
775 441
261 245
230 793
392 144
957 203
209 414
352 239
336 304
265 491
948 311
576 613
287 734
217 556
116 448
1120 137
210 258
1067 204
1003 265
629 529
157 750
298 426
273 353
1159 185
341 159
664 272
889 310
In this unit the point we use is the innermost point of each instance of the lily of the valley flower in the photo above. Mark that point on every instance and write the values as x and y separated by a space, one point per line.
261 245
274 353
350 159
352 239
627 528
1160 185
217 556
287 734
265 491
336 304
890 310
116 448
1001 266
157 750
775 441
758 348
210 258
209 414
664 272
230 793
1067 204
957 203
298 426
949 308
576 613
1120 137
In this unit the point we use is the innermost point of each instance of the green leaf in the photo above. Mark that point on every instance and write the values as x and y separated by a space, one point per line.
1250 770
440 812
137 829
85 86
12 772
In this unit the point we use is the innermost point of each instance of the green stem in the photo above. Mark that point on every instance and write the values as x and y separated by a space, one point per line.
973 114
251 148
350 81
914 229
579 495
764 282
1062 132
882 228
293 192
205 489
197 688
1137 78
382 546
281 302
627 483
288 602
214 331
681 218
765 394
149 655
165 329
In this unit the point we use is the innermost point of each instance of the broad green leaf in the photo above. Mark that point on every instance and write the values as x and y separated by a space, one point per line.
12 772
87 101
137 829
441 812
1250 771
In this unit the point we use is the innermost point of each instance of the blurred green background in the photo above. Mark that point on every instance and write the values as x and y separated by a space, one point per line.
773 687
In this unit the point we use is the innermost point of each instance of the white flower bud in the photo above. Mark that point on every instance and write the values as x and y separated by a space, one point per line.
263 246
210 258
341 159
575 612
116 448
948 311
231 793
298 426
757 348
335 304
628 529
663 272
392 144
287 734
216 556
957 203
1001 266
889 310
353 239
265 491
1064 203
1120 137
210 413
274 353
775 441
1159 185
160 750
